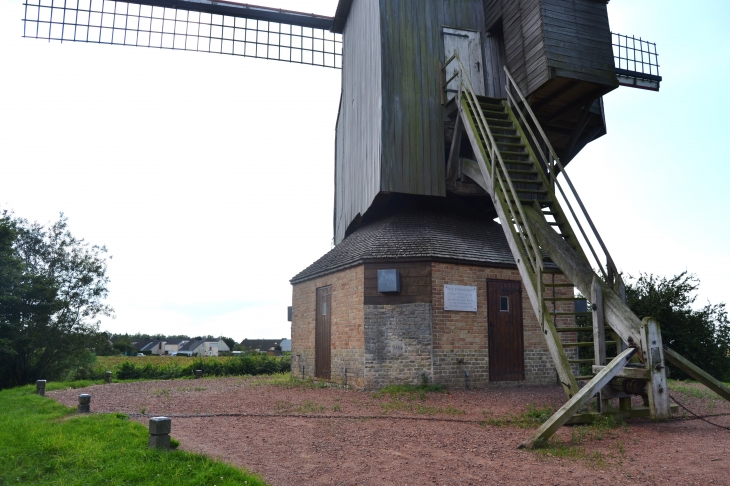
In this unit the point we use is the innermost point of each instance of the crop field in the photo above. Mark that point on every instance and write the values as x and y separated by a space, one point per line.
110 362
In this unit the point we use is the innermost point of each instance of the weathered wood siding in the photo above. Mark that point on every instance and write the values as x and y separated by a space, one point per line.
358 139
415 283
524 44
545 39
413 130
578 40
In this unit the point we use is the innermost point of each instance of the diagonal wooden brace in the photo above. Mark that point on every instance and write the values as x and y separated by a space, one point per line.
560 417
702 376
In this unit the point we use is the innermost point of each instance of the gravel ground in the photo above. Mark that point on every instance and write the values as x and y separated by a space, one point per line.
310 435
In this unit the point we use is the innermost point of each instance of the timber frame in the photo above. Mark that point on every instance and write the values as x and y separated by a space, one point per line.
516 165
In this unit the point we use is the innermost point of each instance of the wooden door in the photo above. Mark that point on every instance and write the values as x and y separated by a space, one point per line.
468 44
323 334
504 313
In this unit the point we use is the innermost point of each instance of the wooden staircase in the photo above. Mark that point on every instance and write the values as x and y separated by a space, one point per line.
519 169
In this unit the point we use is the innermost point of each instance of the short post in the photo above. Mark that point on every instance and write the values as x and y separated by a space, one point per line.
84 403
345 383
160 433
302 372
108 377
40 387
466 379
198 374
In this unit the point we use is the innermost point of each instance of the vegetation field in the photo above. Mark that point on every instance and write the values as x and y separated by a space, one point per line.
43 442
171 367
109 362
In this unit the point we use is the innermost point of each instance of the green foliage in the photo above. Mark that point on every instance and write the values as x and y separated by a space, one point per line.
246 364
43 442
700 335
230 342
52 288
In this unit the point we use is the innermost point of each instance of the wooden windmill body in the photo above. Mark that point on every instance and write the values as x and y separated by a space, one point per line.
463 254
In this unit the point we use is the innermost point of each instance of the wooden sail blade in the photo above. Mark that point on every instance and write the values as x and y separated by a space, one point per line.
217 27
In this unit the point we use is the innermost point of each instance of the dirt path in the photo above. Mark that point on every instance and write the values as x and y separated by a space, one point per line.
469 437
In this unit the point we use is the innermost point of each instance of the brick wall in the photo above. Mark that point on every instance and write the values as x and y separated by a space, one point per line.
347 316
382 344
461 340
397 344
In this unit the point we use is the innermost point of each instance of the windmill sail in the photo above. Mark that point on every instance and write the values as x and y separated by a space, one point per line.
218 26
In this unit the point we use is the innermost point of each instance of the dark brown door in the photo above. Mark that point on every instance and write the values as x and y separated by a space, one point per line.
506 351
323 333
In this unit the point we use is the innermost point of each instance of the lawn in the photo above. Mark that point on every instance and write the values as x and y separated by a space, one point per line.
43 442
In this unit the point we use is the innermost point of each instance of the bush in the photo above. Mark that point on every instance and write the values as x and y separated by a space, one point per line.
246 364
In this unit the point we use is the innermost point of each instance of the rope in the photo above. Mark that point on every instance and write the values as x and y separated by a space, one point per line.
271 415
703 418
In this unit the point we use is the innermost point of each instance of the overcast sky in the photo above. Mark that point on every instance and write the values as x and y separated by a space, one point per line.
210 177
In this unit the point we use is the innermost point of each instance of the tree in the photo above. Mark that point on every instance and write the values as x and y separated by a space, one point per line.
701 335
52 288
230 342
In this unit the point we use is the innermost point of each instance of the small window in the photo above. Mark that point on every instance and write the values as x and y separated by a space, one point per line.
324 308
504 304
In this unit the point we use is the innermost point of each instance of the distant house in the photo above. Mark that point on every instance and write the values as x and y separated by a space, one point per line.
203 347
156 348
172 346
265 345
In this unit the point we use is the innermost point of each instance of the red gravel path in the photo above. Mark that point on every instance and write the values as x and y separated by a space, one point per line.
322 449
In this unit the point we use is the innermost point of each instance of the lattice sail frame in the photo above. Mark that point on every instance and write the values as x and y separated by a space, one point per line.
132 24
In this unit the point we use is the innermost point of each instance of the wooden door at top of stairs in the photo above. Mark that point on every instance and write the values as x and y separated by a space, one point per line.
504 313
323 334
468 45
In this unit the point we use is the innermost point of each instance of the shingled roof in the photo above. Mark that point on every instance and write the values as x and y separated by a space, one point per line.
435 235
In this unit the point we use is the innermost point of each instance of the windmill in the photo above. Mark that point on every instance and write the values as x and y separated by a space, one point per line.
453 113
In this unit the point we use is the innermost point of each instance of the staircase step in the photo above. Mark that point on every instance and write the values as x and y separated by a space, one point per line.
577 361
525 181
578 345
531 191
563 299
574 329
560 314
519 171
558 285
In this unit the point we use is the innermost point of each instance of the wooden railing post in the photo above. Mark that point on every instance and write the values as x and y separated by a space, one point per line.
599 334
653 352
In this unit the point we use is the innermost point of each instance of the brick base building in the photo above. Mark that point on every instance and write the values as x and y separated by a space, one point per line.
346 330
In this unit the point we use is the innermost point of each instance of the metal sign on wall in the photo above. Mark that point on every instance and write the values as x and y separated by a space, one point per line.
460 298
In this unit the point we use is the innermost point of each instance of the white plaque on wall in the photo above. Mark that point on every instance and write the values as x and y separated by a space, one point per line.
460 298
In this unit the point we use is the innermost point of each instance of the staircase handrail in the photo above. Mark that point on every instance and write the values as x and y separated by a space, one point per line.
471 97
551 165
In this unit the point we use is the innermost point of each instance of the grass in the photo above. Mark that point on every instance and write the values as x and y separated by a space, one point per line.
693 389
285 380
305 407
532 416
410 390
411 398
603 427
45 443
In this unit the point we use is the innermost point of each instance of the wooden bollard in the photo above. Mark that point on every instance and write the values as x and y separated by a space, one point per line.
198 374
160 428
40 387
84 403
108 377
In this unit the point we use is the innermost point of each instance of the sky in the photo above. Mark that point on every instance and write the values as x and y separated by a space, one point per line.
210 178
